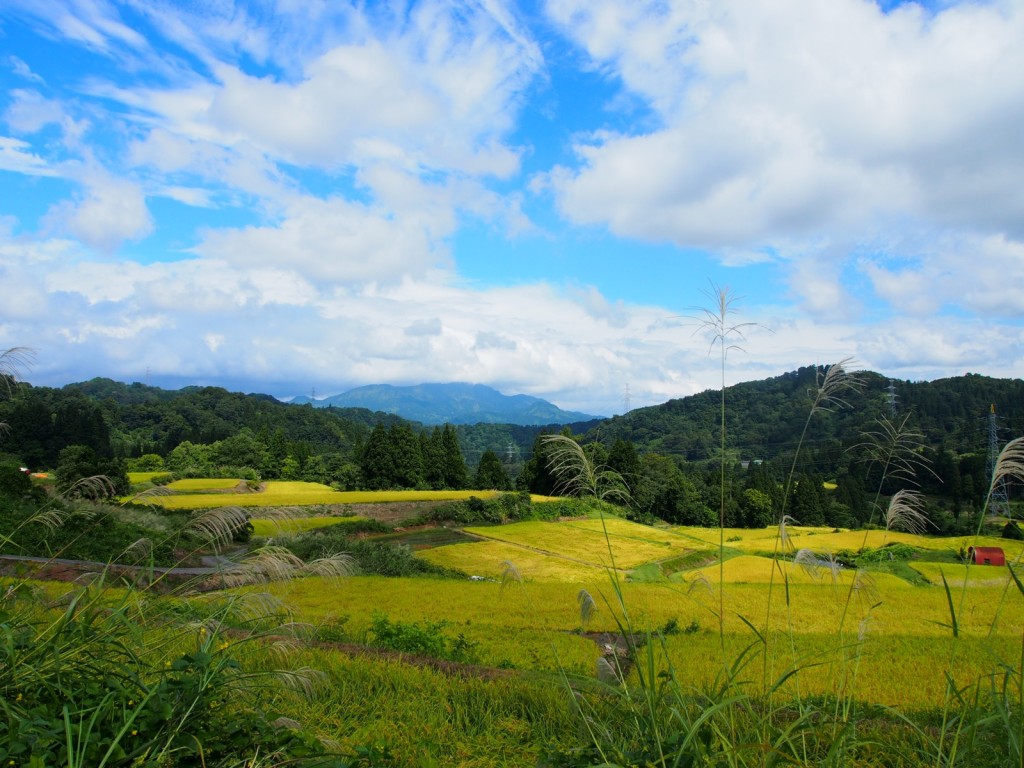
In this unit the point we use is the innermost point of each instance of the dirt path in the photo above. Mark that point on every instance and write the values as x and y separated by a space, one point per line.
56 569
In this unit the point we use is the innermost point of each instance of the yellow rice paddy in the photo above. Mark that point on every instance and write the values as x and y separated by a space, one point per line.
292 526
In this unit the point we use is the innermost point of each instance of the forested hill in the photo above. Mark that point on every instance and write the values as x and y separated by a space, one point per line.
130 420
764 419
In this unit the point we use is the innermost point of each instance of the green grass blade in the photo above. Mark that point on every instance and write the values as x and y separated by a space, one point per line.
952 610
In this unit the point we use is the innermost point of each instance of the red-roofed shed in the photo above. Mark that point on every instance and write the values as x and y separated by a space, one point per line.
986 555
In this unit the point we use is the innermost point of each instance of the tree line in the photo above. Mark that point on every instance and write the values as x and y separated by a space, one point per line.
666 453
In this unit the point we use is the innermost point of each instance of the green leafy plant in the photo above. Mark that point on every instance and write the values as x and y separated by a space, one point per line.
425 638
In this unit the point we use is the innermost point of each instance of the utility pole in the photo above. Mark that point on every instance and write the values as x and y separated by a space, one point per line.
892 400
999 500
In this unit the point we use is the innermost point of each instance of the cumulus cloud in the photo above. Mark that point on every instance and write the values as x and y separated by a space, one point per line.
780 122
325 157
194 318
331 240
980 274
110 211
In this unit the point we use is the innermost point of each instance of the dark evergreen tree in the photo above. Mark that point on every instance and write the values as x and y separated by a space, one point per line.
406 457
491 474
807 504
760 476
852 497
432 450
456 475
31 434
376 461
79 421
536 476
665 492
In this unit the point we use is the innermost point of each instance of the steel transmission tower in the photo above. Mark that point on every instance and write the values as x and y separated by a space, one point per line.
999 500
892 399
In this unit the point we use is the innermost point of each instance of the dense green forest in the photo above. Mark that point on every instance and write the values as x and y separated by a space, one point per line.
669 454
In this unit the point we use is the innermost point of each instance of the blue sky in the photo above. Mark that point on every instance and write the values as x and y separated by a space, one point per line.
279 196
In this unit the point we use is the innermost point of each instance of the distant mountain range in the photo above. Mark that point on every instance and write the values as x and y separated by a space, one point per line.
454 403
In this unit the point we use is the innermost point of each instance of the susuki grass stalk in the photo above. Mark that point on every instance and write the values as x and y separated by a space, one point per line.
831 388
958 728
716 323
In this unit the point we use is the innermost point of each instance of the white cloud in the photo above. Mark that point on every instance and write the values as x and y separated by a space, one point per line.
438 94
330 152
21 69
29 111
984 275
196 318
110 211
329 240
780 122
17 155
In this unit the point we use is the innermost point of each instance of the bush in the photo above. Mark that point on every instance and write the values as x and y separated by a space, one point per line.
78 463
1012 531
86 690
150 462
425 639
14 483
890 552
516 506
87 532
382 558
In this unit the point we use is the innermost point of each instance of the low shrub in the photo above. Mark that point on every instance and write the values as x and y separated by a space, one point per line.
382 558
890 552
513 508
426 639
1012 531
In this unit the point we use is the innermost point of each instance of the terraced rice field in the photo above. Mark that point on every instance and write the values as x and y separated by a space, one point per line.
203 484
280 493
625 546
491 560
293 525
